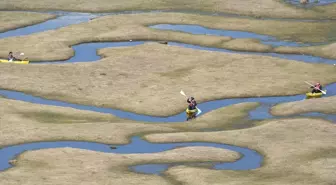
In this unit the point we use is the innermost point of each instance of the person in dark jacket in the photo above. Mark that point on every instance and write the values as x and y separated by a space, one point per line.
317 88
11 56
192 106
192 103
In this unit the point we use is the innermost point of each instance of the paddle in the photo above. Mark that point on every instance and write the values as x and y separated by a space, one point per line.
21 54
198 110
183 93
316 88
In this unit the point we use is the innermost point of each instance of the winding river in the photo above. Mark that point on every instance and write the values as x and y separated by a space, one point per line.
311 3
250 159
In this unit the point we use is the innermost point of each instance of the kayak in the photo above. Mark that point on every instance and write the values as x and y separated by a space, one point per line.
191 113
15 62
314 95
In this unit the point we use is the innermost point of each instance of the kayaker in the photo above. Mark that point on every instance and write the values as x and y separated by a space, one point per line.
11 57
192 103
316 88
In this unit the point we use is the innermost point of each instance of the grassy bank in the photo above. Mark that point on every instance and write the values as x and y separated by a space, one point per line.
42 122
326 51
161 74
10 20
296 150
323 105
54 44
72 166
261 8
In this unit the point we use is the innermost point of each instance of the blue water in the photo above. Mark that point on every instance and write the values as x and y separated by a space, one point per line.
250 159
262 112
330 117
88 52
205 107
297 57
64 19
196 29
311 2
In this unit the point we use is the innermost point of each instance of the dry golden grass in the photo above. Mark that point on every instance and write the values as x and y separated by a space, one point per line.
246 45
26 122
133 74
297 151
300 31
293 154
230 117
329 9
75 166
323 105
54 44
260 8
11 19
327 51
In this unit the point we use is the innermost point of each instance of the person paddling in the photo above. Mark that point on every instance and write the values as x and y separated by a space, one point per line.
11 57
316 88
192 108
192 103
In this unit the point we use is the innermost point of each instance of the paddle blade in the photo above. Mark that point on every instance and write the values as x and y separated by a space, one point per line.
198 111
309 84
183 93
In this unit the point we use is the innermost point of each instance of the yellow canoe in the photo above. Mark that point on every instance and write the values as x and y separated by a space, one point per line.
15 62
314 95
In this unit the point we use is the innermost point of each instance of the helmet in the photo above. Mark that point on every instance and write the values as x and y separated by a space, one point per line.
192 98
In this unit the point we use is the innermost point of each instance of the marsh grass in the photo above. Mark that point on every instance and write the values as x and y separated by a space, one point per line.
260 9
319 153
286 146
60 118
63 163
177 73
52 123
213 76
325 51
226 118
14 19
325 105
134 27
290 148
